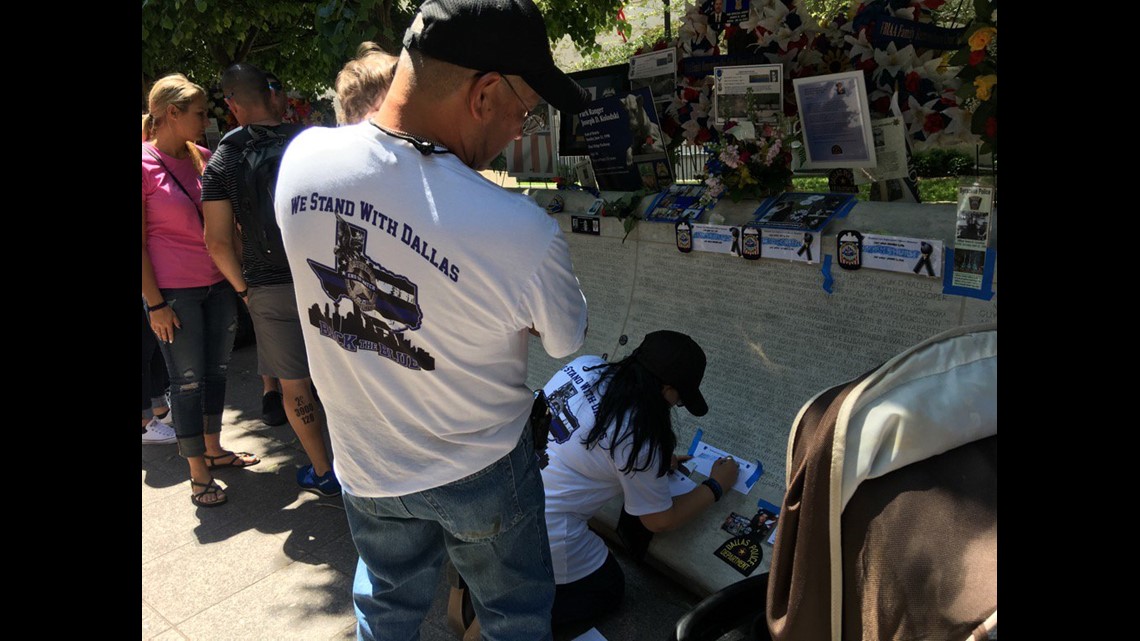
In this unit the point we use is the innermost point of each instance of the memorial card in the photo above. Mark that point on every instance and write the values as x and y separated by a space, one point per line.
717 239
788 244
922 256
973 268
604 82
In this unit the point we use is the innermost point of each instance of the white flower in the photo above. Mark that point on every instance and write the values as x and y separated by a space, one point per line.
907 13
915 116
860 48
892 59
808 58
690 129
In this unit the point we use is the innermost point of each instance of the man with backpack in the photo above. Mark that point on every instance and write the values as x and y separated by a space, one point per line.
238 183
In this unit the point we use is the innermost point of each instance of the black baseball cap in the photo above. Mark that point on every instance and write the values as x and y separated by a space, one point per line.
507 36
677 360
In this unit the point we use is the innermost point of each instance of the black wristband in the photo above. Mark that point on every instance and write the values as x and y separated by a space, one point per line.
243 293
156 307
717 490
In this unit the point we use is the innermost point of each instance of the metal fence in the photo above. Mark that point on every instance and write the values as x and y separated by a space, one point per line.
688 163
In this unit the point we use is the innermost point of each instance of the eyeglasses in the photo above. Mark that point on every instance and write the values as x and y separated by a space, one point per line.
532 122
275 85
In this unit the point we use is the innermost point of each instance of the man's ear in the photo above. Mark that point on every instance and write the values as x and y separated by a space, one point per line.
479 96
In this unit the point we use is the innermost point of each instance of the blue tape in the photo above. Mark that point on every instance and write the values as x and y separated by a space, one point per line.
755 475
987 290
696 440
825 269
846 209
764 505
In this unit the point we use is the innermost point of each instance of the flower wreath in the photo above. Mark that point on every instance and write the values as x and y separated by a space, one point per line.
927 86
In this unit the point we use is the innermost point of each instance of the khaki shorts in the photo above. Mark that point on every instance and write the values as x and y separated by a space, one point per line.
277 325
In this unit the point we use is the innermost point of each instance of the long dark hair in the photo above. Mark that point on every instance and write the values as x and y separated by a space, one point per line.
633 393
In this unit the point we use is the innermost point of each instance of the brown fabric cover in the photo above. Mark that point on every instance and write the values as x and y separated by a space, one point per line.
920 548
799 582
919 545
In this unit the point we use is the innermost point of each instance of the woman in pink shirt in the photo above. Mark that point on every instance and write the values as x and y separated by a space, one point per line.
191 306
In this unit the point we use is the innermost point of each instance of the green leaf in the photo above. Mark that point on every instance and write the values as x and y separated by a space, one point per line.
201 5
166 22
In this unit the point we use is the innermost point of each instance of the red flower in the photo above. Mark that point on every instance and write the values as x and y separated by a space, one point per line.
703 135
977 56
991 127
745 155
934 4
730 31
661 44
881 105
690 95
933 123
912 80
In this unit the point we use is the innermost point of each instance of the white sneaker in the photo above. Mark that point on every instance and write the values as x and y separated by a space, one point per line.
168 419
158 433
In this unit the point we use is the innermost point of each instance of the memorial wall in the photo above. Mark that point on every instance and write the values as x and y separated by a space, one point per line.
773 337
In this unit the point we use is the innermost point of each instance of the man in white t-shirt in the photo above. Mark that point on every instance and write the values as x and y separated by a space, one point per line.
419 283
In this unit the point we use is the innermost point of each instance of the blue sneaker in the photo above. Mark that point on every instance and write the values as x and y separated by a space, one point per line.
326 485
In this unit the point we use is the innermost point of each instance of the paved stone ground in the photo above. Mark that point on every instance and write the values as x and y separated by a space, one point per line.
276 562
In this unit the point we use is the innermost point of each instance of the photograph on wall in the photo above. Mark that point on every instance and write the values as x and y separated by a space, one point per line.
623 135
721 13
753 93
972 229
604 82
802 210
656 70
676 202
889 137
534 156
836 120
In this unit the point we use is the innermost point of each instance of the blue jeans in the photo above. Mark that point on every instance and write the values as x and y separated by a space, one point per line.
490 524
197 360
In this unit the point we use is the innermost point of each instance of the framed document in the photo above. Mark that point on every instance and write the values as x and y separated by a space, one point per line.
752 93
836 120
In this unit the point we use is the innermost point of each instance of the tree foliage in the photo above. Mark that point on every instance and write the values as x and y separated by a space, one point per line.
307 43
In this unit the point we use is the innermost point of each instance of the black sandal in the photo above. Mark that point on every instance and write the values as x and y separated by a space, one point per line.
238 460
212 489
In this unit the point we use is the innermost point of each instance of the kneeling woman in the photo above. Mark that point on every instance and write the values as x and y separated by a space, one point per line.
611 434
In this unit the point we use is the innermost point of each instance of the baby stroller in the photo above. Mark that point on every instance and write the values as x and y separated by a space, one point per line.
888 529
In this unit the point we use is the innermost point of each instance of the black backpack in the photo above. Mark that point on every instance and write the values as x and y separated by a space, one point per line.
261 150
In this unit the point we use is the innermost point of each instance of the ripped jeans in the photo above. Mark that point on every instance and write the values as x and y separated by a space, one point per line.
197 360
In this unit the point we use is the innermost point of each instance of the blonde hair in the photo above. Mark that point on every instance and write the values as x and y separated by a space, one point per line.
175 89
362 81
